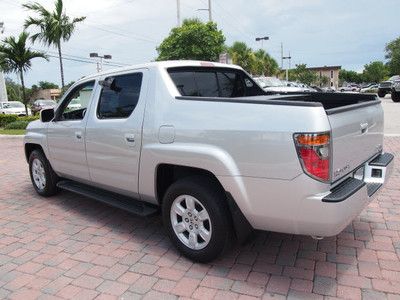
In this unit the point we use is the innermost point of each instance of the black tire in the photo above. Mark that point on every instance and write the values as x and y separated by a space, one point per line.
395 96
381 94
51 178
213 199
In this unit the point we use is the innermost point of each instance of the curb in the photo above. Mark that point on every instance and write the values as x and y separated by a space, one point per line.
11 136
392 135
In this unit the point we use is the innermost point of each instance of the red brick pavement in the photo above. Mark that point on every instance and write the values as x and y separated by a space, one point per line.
68 246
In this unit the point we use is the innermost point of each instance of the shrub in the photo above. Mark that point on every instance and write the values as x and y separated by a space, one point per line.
17 125
5 119
29 118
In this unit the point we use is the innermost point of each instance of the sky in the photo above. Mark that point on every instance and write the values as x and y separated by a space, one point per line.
348 33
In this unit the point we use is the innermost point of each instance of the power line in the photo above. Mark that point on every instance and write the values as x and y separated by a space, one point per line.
80 59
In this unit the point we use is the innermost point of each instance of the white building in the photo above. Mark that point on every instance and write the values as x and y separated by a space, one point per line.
3 90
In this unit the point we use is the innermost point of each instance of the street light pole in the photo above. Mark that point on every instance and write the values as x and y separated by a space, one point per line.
262 39
100 64
287 69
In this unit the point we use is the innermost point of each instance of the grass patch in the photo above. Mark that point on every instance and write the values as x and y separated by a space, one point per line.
12 131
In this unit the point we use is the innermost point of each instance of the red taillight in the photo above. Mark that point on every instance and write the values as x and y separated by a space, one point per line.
314 154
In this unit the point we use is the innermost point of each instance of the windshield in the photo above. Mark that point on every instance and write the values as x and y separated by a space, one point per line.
272 81
74 101
12 105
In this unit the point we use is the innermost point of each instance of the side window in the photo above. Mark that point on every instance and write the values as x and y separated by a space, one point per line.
213 82
207 85
119 99
230 85
184 82
75 105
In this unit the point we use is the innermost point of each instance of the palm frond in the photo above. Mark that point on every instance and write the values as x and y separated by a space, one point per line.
53 26
16 56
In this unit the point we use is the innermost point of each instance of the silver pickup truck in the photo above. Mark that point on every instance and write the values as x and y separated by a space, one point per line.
219 156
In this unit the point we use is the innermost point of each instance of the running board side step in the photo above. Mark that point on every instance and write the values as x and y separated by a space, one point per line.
128 204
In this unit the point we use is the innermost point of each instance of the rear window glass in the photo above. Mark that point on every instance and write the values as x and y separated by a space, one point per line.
213 82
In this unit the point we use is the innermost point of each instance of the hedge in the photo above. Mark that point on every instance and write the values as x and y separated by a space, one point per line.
17 125
7 119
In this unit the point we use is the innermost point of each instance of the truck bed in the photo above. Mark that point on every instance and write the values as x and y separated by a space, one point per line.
332 102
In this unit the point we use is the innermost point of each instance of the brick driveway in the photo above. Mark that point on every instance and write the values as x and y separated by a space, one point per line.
68 246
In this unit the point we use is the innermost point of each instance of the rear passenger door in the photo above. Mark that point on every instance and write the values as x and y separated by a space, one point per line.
114 132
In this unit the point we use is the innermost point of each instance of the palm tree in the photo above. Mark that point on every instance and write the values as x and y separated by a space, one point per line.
264 63
54 27
242 55
16 56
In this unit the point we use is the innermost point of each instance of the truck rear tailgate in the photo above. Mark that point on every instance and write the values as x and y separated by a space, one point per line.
357 135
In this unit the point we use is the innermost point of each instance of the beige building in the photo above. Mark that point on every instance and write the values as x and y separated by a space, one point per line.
331 72
52 94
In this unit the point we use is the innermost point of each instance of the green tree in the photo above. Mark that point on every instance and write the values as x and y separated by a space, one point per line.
54 27
14 90
16 57
264 64
303 75
243 56
66 87
322 81
350 76
375 72
393 55
44 85
193 40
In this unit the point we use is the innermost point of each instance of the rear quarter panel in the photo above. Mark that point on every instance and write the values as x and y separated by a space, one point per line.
228 139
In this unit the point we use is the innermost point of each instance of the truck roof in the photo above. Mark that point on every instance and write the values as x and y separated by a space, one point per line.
166 64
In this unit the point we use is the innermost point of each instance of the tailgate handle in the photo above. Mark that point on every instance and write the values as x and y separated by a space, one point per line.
364 127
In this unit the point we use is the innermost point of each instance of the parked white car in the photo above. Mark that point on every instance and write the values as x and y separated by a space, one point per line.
13 108
373 88
275 85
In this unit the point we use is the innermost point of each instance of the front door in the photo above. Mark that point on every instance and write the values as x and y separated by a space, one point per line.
114 132
66 133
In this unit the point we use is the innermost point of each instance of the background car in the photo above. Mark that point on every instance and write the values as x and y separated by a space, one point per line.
373 88
350 88
40 104
275 85
396 91
13 108
385 87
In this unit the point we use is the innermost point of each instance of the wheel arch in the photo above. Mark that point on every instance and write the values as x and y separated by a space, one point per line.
167 174
30 147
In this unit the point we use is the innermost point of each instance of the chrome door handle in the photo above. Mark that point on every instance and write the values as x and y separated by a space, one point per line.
364 127
130 138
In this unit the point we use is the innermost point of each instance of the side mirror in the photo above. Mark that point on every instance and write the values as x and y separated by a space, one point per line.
46 115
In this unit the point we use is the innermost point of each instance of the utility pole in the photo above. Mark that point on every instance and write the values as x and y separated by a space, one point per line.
178 12
281 56
209 11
